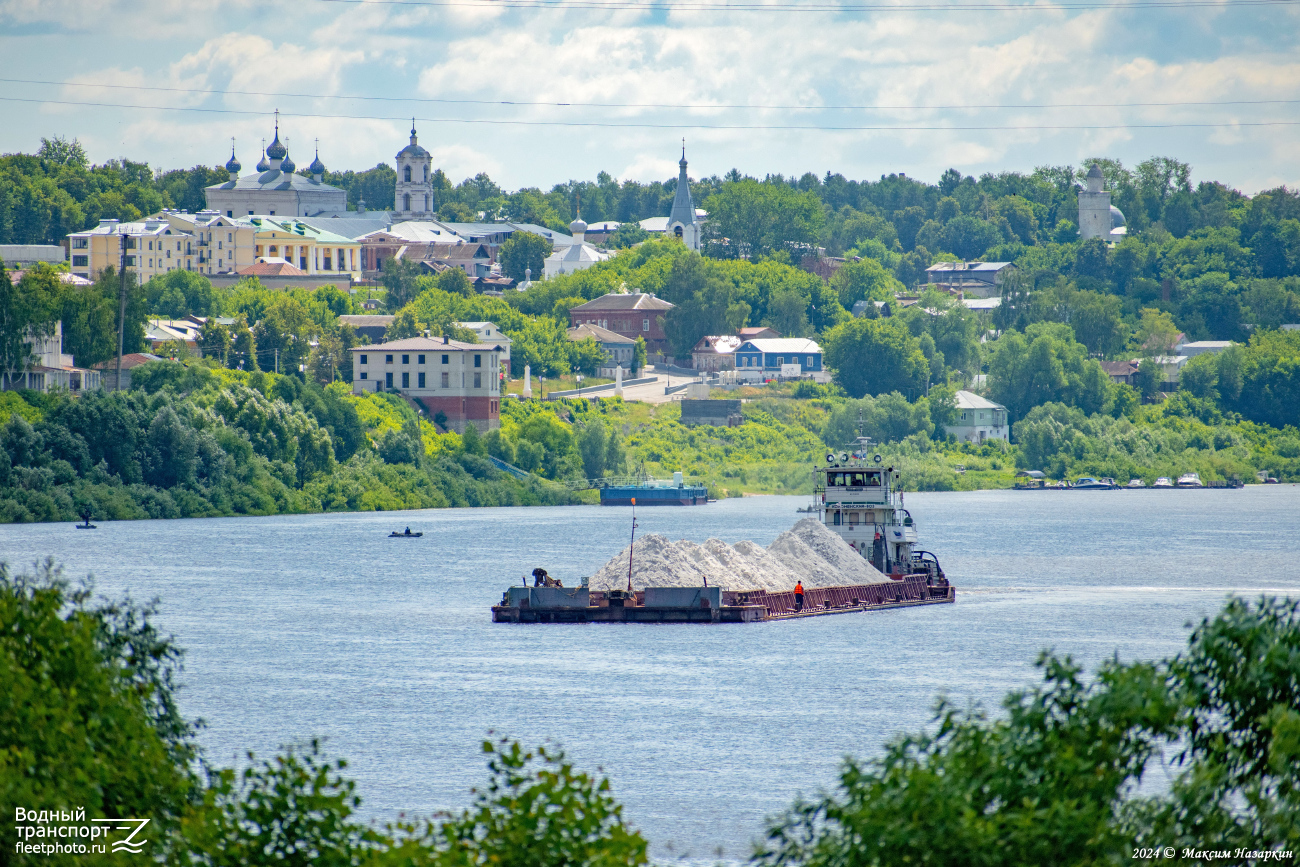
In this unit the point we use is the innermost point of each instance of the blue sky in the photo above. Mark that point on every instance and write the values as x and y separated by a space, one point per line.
783 68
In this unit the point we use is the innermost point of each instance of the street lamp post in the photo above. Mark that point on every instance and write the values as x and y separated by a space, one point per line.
579 378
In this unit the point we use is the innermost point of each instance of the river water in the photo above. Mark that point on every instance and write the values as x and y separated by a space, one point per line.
319 625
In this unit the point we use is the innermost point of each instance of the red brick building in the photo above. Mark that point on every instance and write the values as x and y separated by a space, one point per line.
460 380
632 316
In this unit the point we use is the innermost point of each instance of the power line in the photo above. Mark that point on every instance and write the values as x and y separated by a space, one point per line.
641 125
654 105
779 6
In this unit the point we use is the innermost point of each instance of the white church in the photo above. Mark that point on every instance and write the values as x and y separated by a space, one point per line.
1098 218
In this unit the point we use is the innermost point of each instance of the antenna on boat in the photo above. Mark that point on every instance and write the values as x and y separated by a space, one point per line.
631 546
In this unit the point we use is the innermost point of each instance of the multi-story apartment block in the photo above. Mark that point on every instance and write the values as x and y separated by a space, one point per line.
206 243
459 380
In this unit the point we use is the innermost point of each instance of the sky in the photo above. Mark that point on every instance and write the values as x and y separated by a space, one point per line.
538 92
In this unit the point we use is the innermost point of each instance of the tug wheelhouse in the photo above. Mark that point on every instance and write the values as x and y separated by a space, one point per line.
862 502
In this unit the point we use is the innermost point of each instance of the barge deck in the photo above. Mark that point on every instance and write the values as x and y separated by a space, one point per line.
711 604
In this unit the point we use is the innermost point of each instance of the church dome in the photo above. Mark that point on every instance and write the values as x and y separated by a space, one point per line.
317 167
263 165
232 164
413 149
577 226
1117 218
277 151
1095 171
287 166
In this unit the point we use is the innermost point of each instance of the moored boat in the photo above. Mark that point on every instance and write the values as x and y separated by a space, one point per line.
1088 483
1189 480
1135 484
645 491
1163 482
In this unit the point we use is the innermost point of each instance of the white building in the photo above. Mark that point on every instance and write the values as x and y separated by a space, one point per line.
1098 218
682 220
414 194
979 419
275 190
50 368
488 334
575 257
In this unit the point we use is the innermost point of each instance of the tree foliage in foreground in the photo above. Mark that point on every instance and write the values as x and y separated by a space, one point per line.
88 718
1053 780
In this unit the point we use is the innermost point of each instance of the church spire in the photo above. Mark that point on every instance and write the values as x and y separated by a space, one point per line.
683 208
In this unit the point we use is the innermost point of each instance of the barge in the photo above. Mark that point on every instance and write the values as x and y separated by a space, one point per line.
710 604
653 492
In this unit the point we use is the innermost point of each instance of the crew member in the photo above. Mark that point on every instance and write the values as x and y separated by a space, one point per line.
798 596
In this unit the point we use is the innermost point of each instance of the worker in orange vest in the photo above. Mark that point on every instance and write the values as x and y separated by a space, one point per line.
798 596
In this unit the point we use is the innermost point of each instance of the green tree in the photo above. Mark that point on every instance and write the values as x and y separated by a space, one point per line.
243 346
1045 365
27 310
88 716
404 325
523 250
638 355
586 355
593 447
455 282
866 280
88 317
182 293
400 280
756 218
214 341
875 356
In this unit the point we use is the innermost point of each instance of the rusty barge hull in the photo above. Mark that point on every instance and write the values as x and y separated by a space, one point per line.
710 604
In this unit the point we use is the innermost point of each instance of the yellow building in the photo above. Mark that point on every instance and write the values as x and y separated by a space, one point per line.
206 243
311 250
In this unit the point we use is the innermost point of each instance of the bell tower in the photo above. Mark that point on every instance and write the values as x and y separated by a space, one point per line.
413 199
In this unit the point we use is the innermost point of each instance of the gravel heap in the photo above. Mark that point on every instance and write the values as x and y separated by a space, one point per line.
807 552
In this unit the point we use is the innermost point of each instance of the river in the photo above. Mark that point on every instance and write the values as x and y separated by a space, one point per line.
319 625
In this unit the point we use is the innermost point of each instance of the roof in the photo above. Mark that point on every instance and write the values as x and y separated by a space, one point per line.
964 267
756 332
981 303
425 344
1119 368
362 321
65 277
603 226
353 225
129 361
271 268
274 179
722 344
1206 345
294 226
629 301
32 253
793 345
601 335
471 251
683 210
573 253
970 400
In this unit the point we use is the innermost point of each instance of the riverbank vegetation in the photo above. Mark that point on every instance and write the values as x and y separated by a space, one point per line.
89 721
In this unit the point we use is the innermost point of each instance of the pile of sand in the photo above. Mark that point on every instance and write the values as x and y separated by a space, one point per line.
807 552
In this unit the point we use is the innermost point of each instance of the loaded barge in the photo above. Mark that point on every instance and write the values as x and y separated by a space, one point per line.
859 500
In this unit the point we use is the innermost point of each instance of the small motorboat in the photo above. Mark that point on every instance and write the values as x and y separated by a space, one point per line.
1163 482
1088 483
1135 484
407 535
85 516
1189 480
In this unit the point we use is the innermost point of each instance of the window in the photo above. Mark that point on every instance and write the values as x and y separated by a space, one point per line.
420 379
130 261
810 364
406 380
445 360
388 359
446 379
229 237
327 262
364 374
83 243
426 179
230 213
478 380
388 380
406 359
645 324
420 359
406 174
406 197
274 249
478 361
81 261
